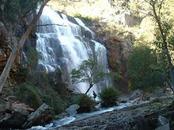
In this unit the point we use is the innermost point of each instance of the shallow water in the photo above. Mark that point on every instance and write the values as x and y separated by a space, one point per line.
67 120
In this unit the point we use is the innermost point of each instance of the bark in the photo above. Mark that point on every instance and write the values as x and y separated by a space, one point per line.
90 86
164 44
14 52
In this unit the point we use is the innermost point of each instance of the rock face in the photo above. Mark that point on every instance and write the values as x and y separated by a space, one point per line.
118 52
138 117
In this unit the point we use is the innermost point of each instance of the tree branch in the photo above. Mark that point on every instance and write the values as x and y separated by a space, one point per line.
49 25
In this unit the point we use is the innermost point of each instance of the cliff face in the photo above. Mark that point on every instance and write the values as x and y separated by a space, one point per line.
5 48
118 52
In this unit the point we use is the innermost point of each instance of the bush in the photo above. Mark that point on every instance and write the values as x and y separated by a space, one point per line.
21 75
85 102
28 94
35 96
53 99
109 96
143 69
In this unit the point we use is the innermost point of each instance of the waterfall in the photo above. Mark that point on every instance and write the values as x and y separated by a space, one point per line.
64 43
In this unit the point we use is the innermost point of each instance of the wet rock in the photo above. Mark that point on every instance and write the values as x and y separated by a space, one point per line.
164 123
123 99
136 94
138 117
118 52
72 110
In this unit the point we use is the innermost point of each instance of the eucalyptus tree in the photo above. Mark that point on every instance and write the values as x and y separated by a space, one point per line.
89 71
164 34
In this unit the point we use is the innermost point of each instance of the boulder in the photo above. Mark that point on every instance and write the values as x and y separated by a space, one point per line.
43 114
13 115
136 94
164 123
72 110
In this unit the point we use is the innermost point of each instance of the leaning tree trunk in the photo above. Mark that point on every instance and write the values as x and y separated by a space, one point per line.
90 86
15 50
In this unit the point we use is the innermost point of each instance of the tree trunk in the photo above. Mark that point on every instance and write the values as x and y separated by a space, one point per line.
14 52
90 86
164 45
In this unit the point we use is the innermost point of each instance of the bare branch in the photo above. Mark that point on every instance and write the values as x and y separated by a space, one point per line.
49 25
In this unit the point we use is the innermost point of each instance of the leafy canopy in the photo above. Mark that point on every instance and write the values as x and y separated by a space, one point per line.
89 71
143 69
13 11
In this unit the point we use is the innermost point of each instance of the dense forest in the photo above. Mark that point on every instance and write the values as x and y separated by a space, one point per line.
87 64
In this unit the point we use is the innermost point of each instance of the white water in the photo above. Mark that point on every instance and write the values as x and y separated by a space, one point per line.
62 45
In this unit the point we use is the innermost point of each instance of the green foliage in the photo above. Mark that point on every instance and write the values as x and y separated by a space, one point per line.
143 70
35 96
88 20
53 99
85 102
21 74
29 94
109 96
49 90
32 57
89 72
13 10
168 32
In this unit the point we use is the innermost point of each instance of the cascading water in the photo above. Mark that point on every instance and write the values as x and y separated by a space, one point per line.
63 44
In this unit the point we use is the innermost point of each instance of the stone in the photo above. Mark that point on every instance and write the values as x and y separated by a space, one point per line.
136 94
13 114
164 123
137 117
42 115
72 110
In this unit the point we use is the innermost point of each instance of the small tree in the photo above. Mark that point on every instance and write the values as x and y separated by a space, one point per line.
89 71
143 70
164 30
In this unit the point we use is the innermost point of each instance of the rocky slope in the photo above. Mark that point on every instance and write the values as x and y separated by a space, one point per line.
138 117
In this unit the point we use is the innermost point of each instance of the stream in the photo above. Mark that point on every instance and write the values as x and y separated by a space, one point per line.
69 119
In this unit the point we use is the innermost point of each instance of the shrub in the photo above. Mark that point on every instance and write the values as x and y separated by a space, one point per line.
28 94
21 75
144 71
53 99
35 96
108 96
85 102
